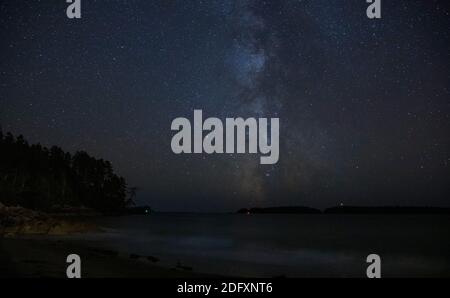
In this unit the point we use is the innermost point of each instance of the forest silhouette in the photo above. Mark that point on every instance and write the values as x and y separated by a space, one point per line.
41 178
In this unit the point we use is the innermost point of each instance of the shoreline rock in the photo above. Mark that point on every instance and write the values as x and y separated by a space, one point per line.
16 221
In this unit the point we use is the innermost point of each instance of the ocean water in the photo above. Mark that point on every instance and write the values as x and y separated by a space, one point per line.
270 245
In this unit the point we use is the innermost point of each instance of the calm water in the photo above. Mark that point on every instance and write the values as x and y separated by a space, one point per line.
290 245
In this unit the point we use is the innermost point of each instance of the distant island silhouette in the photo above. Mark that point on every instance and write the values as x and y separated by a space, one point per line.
387 210
347 210
281 210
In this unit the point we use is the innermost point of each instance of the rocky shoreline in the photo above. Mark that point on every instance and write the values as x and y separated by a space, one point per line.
16 221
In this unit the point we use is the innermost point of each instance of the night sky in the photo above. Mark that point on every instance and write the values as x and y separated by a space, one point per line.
364 105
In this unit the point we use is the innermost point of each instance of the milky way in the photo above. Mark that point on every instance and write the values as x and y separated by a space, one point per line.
364 105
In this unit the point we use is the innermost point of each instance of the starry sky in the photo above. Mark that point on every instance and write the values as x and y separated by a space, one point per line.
364 105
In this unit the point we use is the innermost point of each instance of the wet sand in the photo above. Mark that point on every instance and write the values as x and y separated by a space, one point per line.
46 258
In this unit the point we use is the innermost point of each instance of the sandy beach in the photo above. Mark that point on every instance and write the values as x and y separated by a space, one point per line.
46 258
176 245
32 244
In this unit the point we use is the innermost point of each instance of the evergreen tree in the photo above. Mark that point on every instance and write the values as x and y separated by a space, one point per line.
36 177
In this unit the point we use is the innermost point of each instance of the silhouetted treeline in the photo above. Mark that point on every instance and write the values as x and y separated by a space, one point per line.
36 177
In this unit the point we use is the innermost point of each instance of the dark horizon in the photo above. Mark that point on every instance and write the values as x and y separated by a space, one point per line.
364 105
